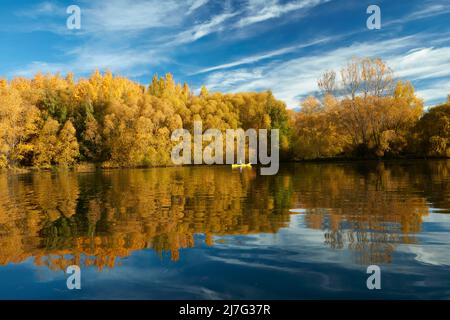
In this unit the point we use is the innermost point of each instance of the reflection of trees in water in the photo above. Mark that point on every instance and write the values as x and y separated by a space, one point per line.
61 218
372 207
93 219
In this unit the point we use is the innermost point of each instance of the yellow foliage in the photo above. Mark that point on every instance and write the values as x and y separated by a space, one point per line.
53 120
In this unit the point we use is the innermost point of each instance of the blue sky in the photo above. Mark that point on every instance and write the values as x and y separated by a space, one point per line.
231 46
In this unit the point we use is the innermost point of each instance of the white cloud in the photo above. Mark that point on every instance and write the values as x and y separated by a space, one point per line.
426 64
260 57
261 10
227 81
197 4
426 11
87 59
435 92
435 244
289 80
132 15
256 11
111 23
107 48
203 29
42 9
423 63
298 77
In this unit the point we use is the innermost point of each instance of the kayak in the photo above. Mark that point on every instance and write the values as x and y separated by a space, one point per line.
245 165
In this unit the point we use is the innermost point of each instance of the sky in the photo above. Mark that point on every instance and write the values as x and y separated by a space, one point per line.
229 45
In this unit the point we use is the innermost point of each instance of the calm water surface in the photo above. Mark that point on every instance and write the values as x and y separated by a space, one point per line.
216 233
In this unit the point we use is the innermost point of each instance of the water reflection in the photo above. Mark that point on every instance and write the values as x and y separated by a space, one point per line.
92 219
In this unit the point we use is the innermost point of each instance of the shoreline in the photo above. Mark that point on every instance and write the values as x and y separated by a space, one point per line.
93 167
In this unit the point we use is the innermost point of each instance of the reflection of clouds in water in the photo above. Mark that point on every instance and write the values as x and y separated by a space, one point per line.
295 258
434 216
304 274
306 243
431 254
151 280
299 251
141 276
297 242
434 247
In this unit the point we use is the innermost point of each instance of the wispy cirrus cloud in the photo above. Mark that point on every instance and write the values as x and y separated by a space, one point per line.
198 31
264 56
261 10
133 63
248 60
42 9
423 63
435 92
106 31
132 15
293 79
426 10
111 22
112 16
196 5
255 11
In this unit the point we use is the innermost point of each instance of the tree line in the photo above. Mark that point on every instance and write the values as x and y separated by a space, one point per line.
110 120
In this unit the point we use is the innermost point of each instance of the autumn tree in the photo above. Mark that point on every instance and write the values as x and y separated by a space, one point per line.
18 125
432 132
377 112
45 145
67 149
316 132
374 117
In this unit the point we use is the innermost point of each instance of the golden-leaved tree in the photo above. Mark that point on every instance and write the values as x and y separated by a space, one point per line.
45 145
67 149
432 132
18 124
373 115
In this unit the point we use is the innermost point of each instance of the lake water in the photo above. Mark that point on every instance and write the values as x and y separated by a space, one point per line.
309 232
